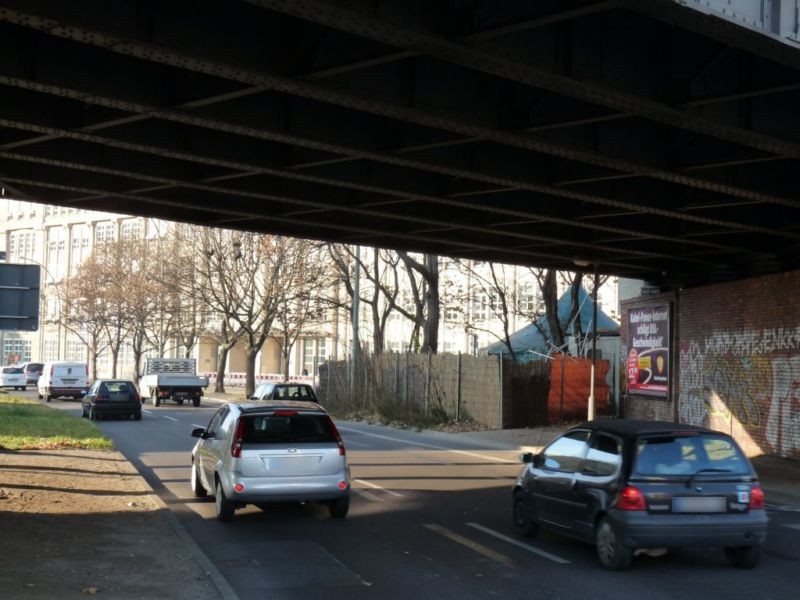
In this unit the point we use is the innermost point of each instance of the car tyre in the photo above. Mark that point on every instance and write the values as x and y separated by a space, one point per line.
137 416
83 411
24 389
225 508
196 402
92 414
613 554
48 397
524 523
197 487
39 396
339 508
743 557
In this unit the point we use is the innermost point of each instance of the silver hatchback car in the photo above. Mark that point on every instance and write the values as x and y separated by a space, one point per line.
275 451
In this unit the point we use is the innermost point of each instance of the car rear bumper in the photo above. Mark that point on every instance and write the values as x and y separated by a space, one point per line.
643 530
117 408
285 489
66 391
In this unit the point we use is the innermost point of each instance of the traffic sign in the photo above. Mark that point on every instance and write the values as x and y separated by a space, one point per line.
19 297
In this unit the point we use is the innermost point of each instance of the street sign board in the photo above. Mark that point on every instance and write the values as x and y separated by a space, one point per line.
19 297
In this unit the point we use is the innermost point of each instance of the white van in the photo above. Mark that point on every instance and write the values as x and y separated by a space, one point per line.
63 379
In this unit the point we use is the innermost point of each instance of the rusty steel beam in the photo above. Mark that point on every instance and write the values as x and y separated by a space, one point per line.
401 195
324 94
359 24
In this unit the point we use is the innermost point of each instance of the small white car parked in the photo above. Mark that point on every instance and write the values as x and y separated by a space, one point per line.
12 377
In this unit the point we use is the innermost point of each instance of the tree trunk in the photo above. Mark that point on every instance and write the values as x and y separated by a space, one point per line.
250 374
550 294
222 362
430 331
114 359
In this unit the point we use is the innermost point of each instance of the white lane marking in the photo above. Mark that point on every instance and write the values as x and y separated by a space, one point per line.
528 547
352 443
377 487
431 446
792 525
200 426
147 412
367 495
170 418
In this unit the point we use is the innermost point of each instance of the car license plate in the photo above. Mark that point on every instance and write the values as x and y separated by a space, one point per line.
69 380
701 504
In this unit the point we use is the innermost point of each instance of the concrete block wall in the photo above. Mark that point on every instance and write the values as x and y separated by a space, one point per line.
737 363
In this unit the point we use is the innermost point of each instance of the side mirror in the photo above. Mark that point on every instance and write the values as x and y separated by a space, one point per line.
199 433
526 457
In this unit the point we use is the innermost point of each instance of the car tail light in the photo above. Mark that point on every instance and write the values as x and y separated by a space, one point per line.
335 434
100 398
238 437
239 488
342 485
52 370
631 499
285 413
136 397
756 498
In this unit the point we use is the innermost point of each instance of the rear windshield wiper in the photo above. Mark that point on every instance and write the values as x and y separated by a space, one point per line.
696 473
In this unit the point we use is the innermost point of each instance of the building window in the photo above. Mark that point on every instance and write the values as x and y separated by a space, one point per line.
56 253
76 350
131 230
314 353
480 307
16 351
80 246
50 350
104 233
21 246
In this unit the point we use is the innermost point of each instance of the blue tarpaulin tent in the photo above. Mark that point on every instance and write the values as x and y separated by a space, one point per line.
529 343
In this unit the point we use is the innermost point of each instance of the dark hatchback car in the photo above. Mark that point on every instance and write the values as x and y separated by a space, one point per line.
633 487
112 397
284 391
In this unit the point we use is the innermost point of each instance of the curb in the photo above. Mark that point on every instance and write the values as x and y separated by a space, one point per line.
219 582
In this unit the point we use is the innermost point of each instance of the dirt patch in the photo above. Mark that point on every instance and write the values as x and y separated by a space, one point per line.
79 523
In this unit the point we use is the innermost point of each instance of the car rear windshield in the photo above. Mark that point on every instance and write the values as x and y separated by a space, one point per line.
689 454
298 428
34 367
12 370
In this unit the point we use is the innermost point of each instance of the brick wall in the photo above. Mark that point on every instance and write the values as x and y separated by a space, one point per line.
736 358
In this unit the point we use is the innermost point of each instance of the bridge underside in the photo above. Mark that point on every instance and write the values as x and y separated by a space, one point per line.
645 137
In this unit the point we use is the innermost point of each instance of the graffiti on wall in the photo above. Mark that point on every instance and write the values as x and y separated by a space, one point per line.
749 378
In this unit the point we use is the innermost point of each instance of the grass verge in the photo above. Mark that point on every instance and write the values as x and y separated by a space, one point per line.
27 425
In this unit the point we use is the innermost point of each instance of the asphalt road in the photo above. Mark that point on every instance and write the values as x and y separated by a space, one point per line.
426 521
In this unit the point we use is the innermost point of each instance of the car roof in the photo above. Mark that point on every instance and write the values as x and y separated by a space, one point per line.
112 380
270 405
634 427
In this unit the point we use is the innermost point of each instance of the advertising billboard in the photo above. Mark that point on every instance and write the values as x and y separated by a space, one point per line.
648 363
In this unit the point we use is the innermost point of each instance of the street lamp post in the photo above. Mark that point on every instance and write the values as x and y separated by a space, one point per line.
590 410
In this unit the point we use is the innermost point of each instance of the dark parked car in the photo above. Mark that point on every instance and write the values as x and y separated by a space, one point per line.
112 397
634 487
33 370
284 391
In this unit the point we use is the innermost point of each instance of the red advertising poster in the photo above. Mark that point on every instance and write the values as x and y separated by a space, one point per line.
647 365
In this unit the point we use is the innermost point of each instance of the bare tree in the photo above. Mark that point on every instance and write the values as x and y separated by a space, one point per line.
300 304
493 291
425 297
380 292
86 311
212 284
